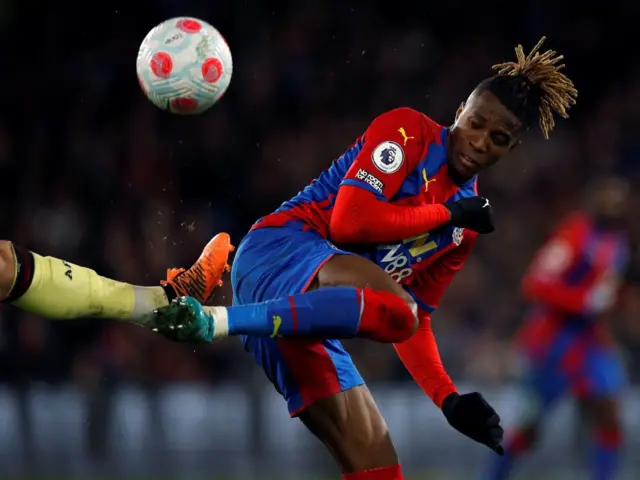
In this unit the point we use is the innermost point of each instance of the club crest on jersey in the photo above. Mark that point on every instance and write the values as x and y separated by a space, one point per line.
457 235
388 157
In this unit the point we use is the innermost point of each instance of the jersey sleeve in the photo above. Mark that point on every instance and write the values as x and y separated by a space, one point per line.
392 146
421 358
544 280
420 353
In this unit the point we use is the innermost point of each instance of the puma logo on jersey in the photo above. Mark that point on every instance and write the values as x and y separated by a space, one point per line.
426 180
405 138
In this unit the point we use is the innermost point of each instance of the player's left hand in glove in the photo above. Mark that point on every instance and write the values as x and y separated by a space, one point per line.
474 213
472 416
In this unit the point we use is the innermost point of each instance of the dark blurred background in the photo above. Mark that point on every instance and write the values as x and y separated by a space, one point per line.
92 172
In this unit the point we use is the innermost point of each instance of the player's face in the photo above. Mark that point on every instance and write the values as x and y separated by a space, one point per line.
484 131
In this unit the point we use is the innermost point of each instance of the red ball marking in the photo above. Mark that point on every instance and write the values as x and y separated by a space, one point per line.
189 26
183 105
161 64
212 70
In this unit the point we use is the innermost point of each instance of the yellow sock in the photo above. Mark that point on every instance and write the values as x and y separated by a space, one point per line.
62 290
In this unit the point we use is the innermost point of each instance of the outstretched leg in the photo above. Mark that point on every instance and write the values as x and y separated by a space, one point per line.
56 289
335 312
354 298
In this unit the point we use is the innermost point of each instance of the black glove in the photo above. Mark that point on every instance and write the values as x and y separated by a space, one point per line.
473 213
472 416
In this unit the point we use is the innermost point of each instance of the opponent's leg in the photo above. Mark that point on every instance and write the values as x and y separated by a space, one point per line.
57 289
604 418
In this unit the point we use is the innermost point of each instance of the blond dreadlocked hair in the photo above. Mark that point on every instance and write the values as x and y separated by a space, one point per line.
534 86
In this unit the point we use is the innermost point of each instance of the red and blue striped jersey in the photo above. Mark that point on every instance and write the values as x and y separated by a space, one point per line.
401 159
576 276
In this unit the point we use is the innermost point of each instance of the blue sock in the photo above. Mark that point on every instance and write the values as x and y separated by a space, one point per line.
327 313
605 456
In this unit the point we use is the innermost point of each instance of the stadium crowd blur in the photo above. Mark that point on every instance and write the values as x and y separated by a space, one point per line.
93 173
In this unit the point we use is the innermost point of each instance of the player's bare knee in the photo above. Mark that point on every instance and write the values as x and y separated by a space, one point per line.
7 268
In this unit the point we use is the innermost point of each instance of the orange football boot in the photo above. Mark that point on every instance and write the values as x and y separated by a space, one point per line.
206 274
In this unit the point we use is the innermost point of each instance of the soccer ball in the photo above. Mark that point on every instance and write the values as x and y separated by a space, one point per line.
184 66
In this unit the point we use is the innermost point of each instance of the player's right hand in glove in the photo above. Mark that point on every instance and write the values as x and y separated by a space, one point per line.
473 213
472 416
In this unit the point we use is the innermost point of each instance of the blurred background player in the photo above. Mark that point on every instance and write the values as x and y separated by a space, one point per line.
574 280
404 197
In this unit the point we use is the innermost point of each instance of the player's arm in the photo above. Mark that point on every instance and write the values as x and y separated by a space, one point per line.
545 282
393 145
420 353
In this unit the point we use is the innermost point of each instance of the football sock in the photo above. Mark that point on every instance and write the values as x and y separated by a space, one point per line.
56 289
334 312
393 472
605 455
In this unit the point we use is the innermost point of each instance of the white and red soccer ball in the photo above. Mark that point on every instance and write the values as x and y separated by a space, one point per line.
184 66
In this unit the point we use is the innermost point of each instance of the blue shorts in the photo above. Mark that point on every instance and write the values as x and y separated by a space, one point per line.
574 363
274 262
